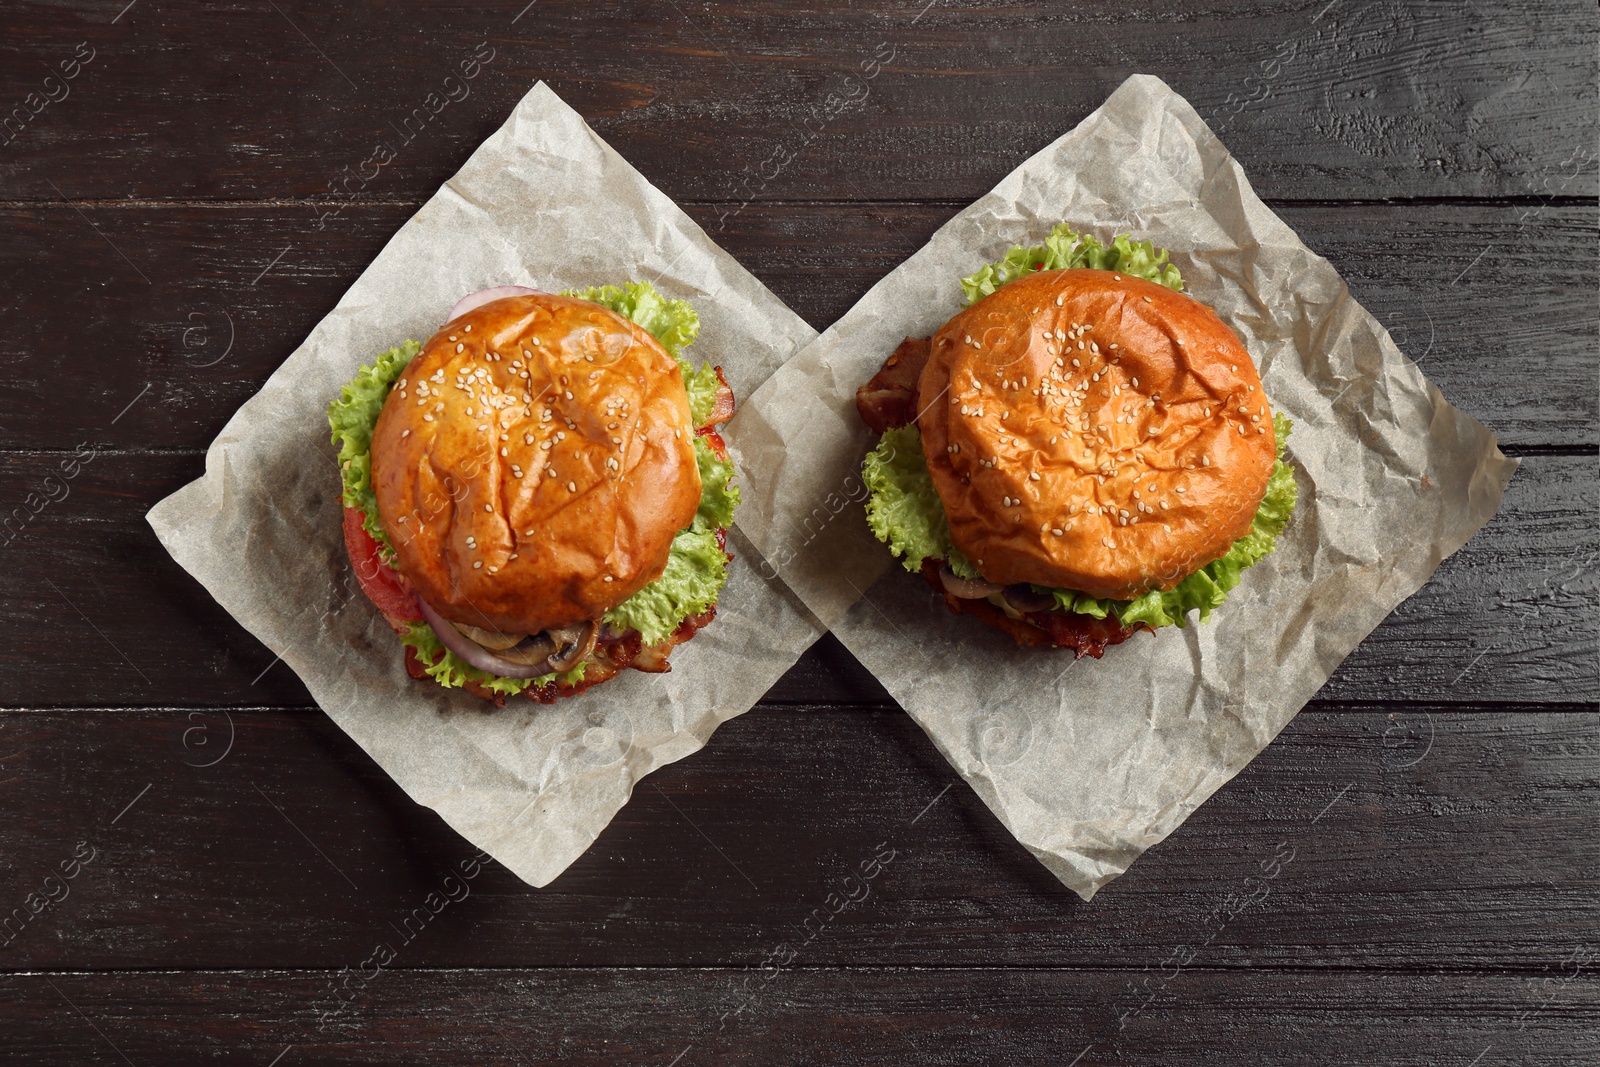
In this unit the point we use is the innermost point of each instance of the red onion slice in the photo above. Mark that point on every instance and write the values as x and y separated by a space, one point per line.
483 296
473 652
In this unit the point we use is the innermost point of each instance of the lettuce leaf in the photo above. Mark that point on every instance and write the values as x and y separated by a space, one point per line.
352 418
672 322
1065 248
697 568
718 495
696 571
905 512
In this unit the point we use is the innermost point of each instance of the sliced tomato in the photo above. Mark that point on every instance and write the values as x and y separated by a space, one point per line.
382 583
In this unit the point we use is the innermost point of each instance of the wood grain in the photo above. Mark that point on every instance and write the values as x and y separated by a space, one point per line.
1358 98
233 289
1340 847
869 1015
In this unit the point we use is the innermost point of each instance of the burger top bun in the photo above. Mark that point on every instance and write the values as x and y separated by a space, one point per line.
1091 431
533 464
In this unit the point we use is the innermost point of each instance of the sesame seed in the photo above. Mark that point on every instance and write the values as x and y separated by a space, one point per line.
1261 429
427 418
1060 298
1147 300
609 578
1163 505
466 329
405 433
1136 383
1033 476
460 347
477 563
1056 531
569 394
512 556
1181 490
572 487
536 344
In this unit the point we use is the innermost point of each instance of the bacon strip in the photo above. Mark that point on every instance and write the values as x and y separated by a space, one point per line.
722 410
889 400
1084 634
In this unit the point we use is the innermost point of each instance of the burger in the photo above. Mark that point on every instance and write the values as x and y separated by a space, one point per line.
1081 453
537 498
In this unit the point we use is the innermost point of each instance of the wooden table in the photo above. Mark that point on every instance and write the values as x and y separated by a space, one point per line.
1408 875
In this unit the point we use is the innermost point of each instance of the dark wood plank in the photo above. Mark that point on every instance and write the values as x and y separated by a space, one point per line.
868 1015
1340 847
237 100
233 289
101 616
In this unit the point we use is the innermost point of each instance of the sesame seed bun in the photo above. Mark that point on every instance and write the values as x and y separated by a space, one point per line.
534 463
1091 431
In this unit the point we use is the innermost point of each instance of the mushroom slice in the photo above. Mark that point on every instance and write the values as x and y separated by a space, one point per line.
966 588
1023 597
531 651
572 643
493 640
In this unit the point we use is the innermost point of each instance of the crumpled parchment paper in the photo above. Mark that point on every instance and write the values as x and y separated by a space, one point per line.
544 202
1089 763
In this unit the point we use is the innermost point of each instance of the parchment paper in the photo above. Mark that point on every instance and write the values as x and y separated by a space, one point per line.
544 203
1091 763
